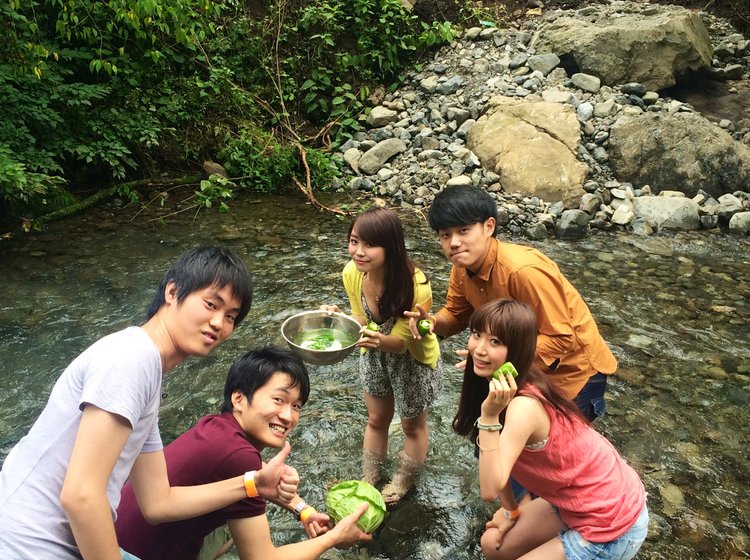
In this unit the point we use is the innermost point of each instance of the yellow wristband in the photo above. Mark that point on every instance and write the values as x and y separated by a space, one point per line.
250 489
305 514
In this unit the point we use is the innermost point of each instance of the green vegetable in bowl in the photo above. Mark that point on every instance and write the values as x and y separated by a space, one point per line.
424 327
504 369
323 339
345 497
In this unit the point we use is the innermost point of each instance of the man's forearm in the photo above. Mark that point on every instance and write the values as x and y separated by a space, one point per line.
184 502
92 527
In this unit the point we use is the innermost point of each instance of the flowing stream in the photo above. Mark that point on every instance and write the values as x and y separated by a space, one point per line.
676 306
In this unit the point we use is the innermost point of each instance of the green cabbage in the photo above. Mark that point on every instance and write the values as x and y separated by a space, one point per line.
345 497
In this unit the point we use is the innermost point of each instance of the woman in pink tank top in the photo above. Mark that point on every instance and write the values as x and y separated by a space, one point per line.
591 504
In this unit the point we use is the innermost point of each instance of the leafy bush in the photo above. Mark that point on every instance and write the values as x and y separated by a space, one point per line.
93 92
350 42
262 163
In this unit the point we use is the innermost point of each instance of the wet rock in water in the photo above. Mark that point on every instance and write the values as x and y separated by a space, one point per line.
673 499
659 529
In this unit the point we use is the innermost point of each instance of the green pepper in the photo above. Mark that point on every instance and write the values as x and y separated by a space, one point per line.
424 326
504 369
373 326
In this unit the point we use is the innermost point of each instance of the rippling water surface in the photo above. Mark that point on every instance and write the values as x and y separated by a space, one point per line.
676 307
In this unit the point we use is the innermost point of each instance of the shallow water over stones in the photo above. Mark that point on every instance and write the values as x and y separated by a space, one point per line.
675 306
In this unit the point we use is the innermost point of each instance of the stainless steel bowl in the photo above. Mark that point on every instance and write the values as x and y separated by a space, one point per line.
311 320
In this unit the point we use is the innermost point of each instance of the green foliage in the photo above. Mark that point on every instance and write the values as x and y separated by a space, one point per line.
261 163
351 42
94 92
68 87
214 189
20 188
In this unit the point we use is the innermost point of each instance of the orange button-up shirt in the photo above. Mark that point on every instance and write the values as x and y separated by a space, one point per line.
569 347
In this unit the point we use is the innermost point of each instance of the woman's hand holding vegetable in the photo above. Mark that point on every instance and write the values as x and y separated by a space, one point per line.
371 337
415 317
501 392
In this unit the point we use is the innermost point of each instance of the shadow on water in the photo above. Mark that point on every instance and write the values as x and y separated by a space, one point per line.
675 305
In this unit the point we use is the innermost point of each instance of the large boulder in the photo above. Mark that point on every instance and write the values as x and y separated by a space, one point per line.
667 212
680 151
533 147
653 47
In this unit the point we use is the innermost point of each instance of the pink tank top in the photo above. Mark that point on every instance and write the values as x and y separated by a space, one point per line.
581 473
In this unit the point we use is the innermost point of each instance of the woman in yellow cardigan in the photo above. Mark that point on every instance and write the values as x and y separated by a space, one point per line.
399 372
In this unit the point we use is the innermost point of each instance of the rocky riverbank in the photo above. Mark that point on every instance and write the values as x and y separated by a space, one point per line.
567 120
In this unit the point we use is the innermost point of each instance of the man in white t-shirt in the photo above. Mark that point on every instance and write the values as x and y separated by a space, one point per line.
60 485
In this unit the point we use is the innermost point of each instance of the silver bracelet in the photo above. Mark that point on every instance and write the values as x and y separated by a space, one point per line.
488 427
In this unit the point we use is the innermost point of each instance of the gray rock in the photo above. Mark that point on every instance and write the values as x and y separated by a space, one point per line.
572 224
458 114
623 215
556 96
375 158
424 155
667 212
461 180
586 82
729 204
537 231
622 46
544 63
590 203
605 108
451 85
633 88
381 116
429 85
584 111
678 151
709 221
740 222
518 60
352 157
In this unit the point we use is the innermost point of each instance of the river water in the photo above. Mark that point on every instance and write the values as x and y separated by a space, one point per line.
675 305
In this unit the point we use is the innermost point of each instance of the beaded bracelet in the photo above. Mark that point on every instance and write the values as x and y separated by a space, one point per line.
488 427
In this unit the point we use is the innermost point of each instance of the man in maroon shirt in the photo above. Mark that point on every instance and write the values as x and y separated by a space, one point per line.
263 395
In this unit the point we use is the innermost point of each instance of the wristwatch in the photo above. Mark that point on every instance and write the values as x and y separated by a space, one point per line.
302 504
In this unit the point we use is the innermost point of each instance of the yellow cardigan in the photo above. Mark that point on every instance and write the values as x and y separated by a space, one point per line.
426 350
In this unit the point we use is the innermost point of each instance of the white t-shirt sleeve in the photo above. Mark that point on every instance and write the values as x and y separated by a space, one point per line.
123 380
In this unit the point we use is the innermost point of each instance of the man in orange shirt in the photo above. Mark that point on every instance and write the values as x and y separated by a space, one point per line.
569 347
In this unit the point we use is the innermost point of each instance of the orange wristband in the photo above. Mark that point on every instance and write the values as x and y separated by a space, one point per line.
514 514
305 514
250 489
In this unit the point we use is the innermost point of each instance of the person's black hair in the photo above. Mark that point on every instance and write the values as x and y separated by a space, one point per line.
514 323
461 206
204 267
256 367
381 227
